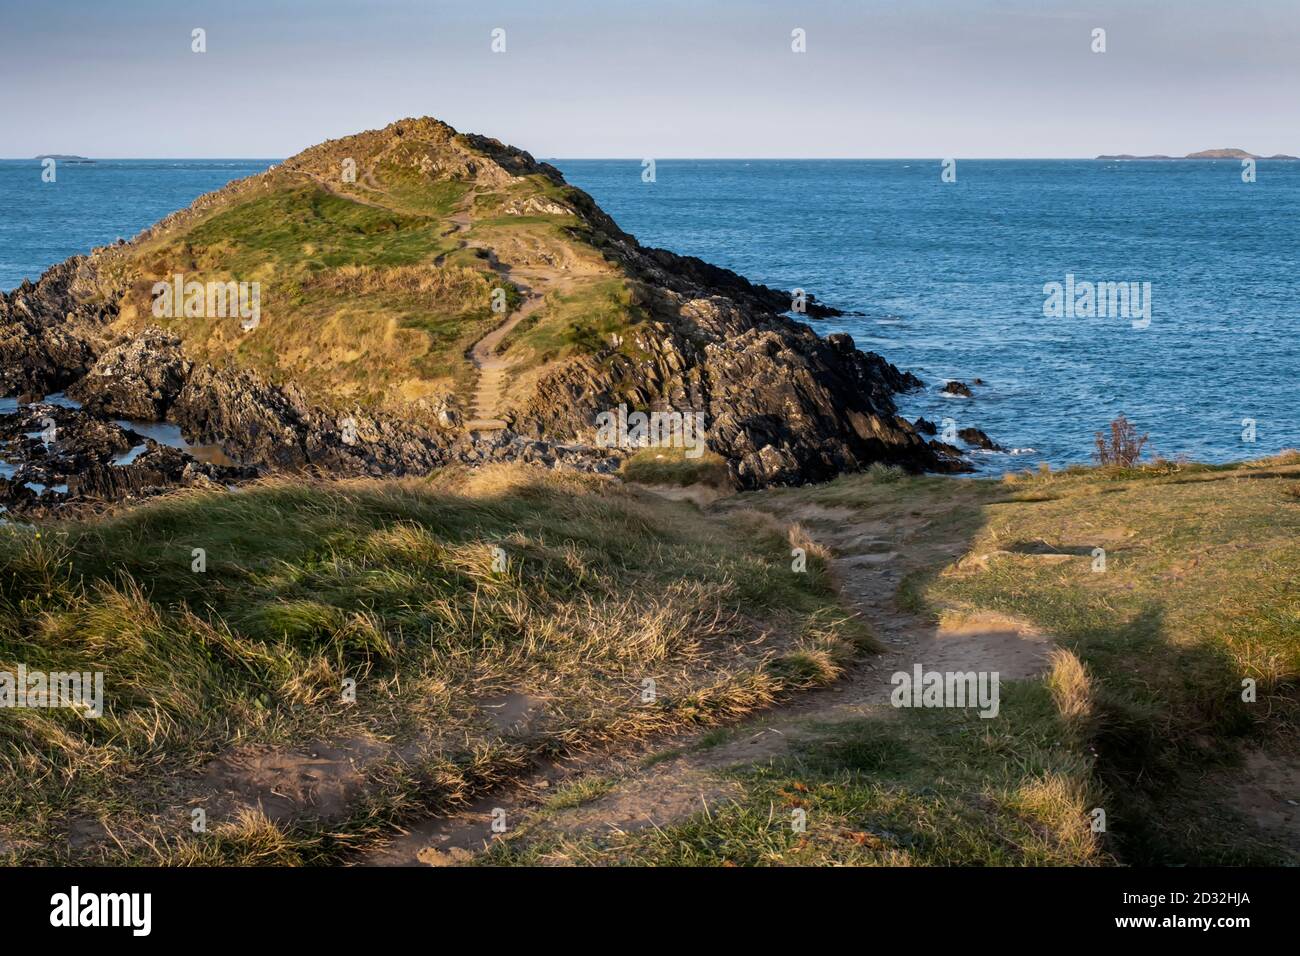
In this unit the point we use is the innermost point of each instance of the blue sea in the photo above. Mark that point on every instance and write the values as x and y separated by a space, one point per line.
947 278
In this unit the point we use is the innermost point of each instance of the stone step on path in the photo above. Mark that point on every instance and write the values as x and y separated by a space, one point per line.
485 425
490 389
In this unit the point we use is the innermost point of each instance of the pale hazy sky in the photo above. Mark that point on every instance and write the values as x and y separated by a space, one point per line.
654 78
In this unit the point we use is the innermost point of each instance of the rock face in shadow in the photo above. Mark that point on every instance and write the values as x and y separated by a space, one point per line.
55 456
50 331
781 404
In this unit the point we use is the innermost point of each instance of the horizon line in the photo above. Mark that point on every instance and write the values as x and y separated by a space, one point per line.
1105 157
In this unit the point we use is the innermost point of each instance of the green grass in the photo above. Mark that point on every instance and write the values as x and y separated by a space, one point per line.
408 191
581 321
394 585
670 466
925 788
1141 714
308 226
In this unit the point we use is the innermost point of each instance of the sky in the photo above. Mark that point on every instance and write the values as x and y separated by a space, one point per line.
654 78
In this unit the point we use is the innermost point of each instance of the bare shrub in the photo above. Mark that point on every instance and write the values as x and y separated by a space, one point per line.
1122 448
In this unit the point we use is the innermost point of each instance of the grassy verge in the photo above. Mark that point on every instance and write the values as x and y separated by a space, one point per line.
1197 604
1143 714
670 466
927 788
434 597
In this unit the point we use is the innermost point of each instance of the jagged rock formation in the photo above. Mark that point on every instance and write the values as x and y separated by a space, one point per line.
50 331
383 258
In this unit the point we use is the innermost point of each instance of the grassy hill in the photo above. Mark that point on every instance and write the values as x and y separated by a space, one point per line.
452 297
377 257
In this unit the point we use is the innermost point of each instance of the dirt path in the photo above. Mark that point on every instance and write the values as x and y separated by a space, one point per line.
486 404
871 557
492 366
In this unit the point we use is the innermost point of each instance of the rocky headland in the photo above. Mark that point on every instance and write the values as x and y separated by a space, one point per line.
381 260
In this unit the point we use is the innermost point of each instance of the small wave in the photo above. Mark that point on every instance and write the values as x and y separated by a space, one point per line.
1003 451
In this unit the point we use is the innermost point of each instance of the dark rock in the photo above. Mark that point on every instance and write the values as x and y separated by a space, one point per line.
780 403
157 469
692 274
925 426
50 331
74 459
48 442
956 388
977 438
138 379
953 453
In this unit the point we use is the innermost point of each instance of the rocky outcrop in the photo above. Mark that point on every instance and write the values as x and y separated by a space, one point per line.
689 275
50 330
978 439
55 456
781 404
138 379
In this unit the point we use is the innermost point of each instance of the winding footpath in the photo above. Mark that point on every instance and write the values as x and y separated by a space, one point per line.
487 403
488 392
665 781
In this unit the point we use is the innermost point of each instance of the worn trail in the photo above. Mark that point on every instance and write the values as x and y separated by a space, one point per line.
871 557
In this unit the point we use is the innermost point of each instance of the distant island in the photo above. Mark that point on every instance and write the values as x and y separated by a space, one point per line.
1204 154
60 157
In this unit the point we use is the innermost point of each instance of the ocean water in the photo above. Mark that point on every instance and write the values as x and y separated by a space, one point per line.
42 223
947 278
